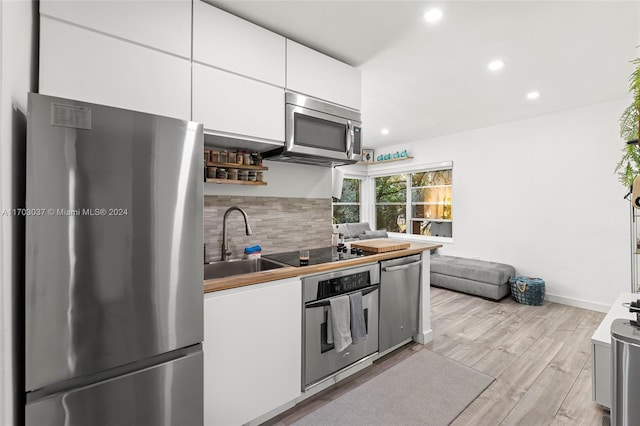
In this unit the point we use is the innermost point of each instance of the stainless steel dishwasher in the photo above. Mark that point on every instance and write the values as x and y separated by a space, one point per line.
399 300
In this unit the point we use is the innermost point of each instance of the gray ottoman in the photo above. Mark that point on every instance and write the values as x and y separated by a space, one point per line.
471 276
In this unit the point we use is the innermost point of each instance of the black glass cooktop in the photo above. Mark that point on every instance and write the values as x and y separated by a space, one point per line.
318 256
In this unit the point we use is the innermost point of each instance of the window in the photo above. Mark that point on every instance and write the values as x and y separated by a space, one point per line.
416 203
347 209
391 203
431 203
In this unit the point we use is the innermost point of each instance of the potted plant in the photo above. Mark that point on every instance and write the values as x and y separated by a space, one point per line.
629 165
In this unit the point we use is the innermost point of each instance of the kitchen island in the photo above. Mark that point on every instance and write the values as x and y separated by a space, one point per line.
253 342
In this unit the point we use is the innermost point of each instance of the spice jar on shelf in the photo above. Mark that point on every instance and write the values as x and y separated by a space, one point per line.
221 174
232 157
259 176
240 157
247 158
224 157
214 156
211 172
232 174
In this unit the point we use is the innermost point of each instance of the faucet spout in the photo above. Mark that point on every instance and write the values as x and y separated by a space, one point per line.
225 245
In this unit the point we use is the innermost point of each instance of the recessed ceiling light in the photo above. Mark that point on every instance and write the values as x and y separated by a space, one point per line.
384 131
533 95
433 15
496 65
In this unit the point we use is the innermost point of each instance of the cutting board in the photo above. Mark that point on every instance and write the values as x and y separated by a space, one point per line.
380 245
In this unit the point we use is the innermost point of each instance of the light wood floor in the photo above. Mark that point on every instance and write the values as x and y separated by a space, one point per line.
539 355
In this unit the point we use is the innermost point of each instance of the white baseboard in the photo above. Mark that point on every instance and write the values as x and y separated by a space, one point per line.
578 303
424 337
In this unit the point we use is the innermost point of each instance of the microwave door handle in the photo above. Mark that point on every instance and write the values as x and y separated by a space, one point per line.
349 139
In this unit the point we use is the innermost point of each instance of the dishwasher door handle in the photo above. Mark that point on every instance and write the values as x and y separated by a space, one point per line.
401 267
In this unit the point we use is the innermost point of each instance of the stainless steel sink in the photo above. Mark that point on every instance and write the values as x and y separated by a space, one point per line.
236 267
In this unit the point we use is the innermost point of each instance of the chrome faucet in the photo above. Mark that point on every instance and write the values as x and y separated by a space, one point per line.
225 245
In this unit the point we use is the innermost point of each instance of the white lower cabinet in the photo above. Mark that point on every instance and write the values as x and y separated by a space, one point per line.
84 65
232 104
252 350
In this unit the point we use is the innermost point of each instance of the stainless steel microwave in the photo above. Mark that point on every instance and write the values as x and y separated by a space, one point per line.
319 133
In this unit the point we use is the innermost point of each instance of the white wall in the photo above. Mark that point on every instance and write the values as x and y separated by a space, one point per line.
541 195
16 79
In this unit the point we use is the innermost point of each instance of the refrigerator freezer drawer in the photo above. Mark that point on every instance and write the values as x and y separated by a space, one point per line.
167 394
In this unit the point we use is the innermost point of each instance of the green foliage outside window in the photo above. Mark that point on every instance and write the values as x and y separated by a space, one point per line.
347 209
391 203
429 211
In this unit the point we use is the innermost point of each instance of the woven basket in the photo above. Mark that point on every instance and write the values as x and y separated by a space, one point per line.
527 290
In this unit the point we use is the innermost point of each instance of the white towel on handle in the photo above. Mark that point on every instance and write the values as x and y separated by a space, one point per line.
341 322
358 325
329 327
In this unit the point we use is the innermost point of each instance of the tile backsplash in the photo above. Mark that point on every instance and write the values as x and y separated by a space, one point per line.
278 224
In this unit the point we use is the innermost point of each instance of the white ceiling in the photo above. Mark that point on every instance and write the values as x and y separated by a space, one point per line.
421 81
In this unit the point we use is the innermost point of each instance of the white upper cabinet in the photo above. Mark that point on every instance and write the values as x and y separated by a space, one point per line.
227 42
161 24
312 73
85 65
231 104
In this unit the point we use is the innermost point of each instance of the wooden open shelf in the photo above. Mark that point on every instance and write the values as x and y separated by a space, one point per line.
235 182
236 166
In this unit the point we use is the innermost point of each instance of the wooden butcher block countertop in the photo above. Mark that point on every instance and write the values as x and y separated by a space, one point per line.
291 271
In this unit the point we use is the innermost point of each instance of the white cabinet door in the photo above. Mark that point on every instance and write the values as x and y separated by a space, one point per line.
225 41
231 104
84 65
252 351
314 74
162 24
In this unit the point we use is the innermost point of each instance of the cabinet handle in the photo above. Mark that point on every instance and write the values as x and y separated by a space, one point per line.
401 267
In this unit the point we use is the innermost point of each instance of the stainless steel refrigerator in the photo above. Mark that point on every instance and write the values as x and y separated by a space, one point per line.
114 278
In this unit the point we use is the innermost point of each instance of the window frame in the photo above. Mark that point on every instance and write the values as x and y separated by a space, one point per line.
360 203
408 171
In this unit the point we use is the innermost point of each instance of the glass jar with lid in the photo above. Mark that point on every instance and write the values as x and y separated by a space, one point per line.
232 174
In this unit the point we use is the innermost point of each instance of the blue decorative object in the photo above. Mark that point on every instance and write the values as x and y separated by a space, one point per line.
528 290
252 249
